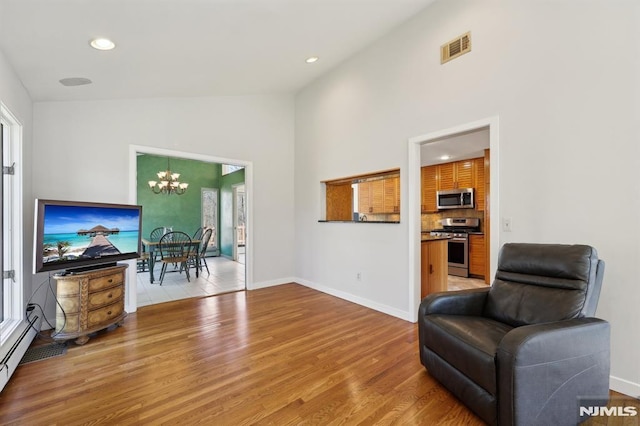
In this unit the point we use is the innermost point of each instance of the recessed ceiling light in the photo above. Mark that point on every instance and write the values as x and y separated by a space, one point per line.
311 59
445 157
102 44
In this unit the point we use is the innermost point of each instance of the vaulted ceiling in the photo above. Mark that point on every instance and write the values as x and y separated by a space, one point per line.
176 48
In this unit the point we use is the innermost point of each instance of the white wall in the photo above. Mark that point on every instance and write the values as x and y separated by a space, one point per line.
566 91
81 152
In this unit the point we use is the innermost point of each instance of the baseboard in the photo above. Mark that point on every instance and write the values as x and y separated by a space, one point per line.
624 386
270 283
16 346
385 309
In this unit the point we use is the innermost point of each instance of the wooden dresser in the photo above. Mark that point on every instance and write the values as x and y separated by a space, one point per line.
88 302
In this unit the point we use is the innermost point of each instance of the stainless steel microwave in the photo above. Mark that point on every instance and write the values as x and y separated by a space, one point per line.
455 199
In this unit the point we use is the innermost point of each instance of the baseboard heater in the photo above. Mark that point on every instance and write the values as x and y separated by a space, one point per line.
13 356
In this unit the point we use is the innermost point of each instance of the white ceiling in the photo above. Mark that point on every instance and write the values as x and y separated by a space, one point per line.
456 147
175 48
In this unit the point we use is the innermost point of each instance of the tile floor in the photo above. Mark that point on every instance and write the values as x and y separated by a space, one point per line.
226 276
460 283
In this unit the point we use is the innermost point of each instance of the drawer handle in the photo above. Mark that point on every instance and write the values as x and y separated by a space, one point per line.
109 313
110 296
110 280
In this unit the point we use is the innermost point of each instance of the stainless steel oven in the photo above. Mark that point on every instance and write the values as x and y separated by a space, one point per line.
459 254
456 229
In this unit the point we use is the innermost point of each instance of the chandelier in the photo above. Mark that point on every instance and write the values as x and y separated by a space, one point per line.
169 183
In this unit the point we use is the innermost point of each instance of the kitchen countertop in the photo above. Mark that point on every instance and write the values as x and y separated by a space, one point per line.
426 238
359 221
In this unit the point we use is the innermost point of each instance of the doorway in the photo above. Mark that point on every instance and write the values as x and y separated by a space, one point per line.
223 272
414 199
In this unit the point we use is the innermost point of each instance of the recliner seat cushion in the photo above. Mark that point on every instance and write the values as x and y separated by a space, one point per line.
468 343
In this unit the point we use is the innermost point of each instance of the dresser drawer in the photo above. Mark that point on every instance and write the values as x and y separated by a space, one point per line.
69 305
68 323
68 288
105 297
100 283
104 315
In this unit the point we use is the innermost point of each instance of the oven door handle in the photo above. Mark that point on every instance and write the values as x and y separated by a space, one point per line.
458 239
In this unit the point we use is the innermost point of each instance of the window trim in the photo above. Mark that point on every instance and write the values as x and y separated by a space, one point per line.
13 296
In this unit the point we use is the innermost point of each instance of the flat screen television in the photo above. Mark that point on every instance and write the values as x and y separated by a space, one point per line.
78 236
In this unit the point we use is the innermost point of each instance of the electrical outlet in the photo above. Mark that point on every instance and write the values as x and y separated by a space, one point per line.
506 224
359 276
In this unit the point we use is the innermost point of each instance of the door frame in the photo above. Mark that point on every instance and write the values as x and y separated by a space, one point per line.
414 191
131 290
234 189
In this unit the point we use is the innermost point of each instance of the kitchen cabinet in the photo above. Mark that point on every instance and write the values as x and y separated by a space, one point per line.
479 183
392 195
88 302
477 255
379 196
429 179
434 266
454 175
458 174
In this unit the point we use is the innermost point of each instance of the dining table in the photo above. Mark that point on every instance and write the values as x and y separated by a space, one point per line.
151 246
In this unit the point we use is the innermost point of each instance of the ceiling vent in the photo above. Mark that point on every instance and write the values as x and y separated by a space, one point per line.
456 47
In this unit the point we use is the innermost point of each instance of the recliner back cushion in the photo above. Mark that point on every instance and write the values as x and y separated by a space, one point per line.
538 283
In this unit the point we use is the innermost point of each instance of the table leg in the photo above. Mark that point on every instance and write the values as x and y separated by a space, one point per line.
152 262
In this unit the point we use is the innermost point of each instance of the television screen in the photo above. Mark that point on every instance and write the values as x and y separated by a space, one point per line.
73 234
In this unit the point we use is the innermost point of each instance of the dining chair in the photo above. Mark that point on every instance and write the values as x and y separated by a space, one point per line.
198 234
174 248
197 261
157 233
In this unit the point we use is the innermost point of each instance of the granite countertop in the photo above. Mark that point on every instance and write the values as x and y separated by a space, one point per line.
427 237
359 221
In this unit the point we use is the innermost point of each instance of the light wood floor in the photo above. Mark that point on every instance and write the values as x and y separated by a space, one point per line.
285 355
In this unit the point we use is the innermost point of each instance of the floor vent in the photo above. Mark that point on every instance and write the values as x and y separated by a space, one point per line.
38 353
456 47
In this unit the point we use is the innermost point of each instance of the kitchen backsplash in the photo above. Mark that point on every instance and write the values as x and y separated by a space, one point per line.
431 221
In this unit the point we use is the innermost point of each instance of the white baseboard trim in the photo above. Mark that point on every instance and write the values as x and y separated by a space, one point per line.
624 386
356 299
270 283
16 346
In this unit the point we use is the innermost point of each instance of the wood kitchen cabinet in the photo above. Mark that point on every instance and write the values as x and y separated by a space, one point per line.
379 196
477 256
429 179
88 302
479 183
458 174
454 175
434 266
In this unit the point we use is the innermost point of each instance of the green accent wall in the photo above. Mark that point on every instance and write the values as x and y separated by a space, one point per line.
180 212
226 210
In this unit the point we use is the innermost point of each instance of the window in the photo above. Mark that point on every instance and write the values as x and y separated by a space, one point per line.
11 291
229 168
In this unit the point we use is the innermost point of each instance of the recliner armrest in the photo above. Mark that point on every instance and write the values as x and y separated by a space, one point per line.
463 302
542 367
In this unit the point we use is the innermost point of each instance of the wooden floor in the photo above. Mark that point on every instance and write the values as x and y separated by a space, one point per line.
285 355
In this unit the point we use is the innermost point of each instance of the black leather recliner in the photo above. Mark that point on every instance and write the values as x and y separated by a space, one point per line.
523 351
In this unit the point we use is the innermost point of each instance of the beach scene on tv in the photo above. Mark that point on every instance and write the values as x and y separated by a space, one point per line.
82 232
